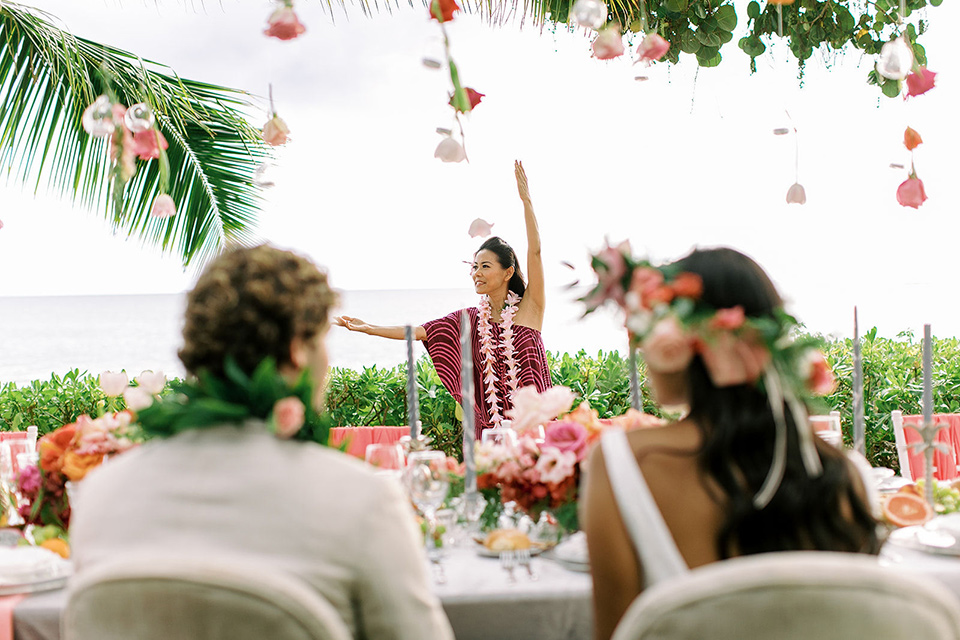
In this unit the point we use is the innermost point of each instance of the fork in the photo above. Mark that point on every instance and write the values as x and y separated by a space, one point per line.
523 557
508 561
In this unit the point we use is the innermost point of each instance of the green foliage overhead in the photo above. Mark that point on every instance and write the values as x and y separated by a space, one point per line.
49 76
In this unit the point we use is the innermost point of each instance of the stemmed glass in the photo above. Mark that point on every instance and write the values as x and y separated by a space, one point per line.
504 436
427 483
387 458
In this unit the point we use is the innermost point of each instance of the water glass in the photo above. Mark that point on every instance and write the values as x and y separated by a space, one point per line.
386 458
427 483
504 436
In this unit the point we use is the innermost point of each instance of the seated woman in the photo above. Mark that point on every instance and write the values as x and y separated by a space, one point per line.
741 472
229 475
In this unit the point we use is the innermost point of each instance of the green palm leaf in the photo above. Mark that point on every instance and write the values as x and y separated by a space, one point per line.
47 79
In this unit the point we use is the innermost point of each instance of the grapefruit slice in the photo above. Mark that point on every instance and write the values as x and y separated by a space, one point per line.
906 509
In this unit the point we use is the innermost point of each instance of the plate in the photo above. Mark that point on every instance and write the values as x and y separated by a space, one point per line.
572 565
928 540
56 578
483 552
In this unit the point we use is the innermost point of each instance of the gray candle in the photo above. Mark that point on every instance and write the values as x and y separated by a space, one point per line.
927 376
859 428
413 411
466 403
635 401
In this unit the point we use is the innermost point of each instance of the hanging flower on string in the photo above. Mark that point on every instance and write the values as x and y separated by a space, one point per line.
283 23
796 194
609 43
652 48
275 131
463 99
911 192
920 81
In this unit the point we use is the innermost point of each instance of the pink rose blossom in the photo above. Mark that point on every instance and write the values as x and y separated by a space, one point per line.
920 83
731 360
136 398
911 193
147 144
449 150
163 207
288 416
152 383
555 466
284 24
275 131
30 479
728 319
644 282
532 408
796 194
480 228
652 48
608 44
567 436
819 375
667 348
113 384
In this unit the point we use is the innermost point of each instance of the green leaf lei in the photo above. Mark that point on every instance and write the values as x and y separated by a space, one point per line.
210 401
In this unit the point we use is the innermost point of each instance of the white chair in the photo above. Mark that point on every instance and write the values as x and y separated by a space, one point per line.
901 441
793 596
161 599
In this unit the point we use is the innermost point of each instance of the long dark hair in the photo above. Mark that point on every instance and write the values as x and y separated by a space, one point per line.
738 433
507 258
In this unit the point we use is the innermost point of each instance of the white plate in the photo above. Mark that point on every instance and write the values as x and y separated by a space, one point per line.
572 565
487 553
928 540
55 579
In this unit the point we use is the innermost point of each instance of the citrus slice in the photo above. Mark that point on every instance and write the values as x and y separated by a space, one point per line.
910 488
906 509
58 546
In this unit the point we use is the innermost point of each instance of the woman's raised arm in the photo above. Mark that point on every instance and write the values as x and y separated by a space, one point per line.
535 298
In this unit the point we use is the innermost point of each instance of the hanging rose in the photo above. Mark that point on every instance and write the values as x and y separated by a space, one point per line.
147 144
796 194
275 131
480 228
444 9
163 207
449 150
609 43
920 82
911 139
1 224
284 23
652 48
910 193
473 97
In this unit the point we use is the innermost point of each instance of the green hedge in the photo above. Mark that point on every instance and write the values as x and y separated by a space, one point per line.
377 396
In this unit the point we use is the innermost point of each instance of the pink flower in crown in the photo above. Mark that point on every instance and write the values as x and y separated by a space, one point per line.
608 44
667 348
652 48
920 83
818 374
288 416
567 436
284 24
609 285
644 282
733 360
687 285
555 466
728 319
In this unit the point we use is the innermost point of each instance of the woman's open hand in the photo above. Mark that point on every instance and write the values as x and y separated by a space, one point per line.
522 186
353 324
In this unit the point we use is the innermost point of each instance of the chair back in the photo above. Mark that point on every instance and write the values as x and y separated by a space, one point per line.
160 598
912 463
796 595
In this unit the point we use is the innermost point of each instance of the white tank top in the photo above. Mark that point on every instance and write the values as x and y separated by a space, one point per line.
655 547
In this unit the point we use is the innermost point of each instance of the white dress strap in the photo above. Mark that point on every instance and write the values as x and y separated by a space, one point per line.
649 533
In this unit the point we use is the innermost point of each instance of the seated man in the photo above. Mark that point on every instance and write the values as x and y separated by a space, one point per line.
243 482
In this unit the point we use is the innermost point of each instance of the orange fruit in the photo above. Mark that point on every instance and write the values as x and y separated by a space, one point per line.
911 489
904 509
58 546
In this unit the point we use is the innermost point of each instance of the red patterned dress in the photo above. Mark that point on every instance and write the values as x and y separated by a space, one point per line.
443 345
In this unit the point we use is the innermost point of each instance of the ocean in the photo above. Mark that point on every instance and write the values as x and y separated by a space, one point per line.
55 334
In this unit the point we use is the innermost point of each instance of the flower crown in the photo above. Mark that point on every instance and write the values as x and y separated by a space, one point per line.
669 321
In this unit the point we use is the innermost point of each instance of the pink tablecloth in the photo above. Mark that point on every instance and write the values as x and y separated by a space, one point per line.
360 437
945 464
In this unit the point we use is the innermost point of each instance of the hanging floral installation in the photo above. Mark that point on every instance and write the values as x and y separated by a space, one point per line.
796 194
463 99
275 131
283 23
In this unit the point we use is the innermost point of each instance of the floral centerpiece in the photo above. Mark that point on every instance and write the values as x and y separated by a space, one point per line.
67 455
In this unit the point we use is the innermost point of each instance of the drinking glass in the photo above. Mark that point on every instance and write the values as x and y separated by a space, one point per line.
504 436
9 485
387 458
427 483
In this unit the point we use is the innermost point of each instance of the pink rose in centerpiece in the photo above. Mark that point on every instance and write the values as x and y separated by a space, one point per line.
275 131
920 83
667 348
652 48
136 398
30 480
284 24
288 416
152 383
555 466
567 436
113 384
163 207
911 193
532 408
608 44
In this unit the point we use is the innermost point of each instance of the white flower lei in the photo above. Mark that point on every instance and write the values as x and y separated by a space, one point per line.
489 357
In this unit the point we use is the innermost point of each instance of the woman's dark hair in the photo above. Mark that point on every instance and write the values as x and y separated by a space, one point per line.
249 304
507 258
738 430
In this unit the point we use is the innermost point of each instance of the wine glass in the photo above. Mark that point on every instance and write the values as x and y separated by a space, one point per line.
504 436
427 483
386 458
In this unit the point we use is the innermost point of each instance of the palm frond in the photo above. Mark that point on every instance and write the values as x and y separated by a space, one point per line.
48 77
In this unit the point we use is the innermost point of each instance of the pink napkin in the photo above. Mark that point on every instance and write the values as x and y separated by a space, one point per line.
7 605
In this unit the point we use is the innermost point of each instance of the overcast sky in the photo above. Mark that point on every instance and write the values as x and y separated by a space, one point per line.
687 158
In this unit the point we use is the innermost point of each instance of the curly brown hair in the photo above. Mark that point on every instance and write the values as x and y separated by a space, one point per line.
250 304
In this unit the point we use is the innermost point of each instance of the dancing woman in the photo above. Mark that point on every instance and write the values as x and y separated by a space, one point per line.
507 347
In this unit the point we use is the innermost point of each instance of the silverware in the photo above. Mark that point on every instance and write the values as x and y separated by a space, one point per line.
508 561
439 574
523 557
